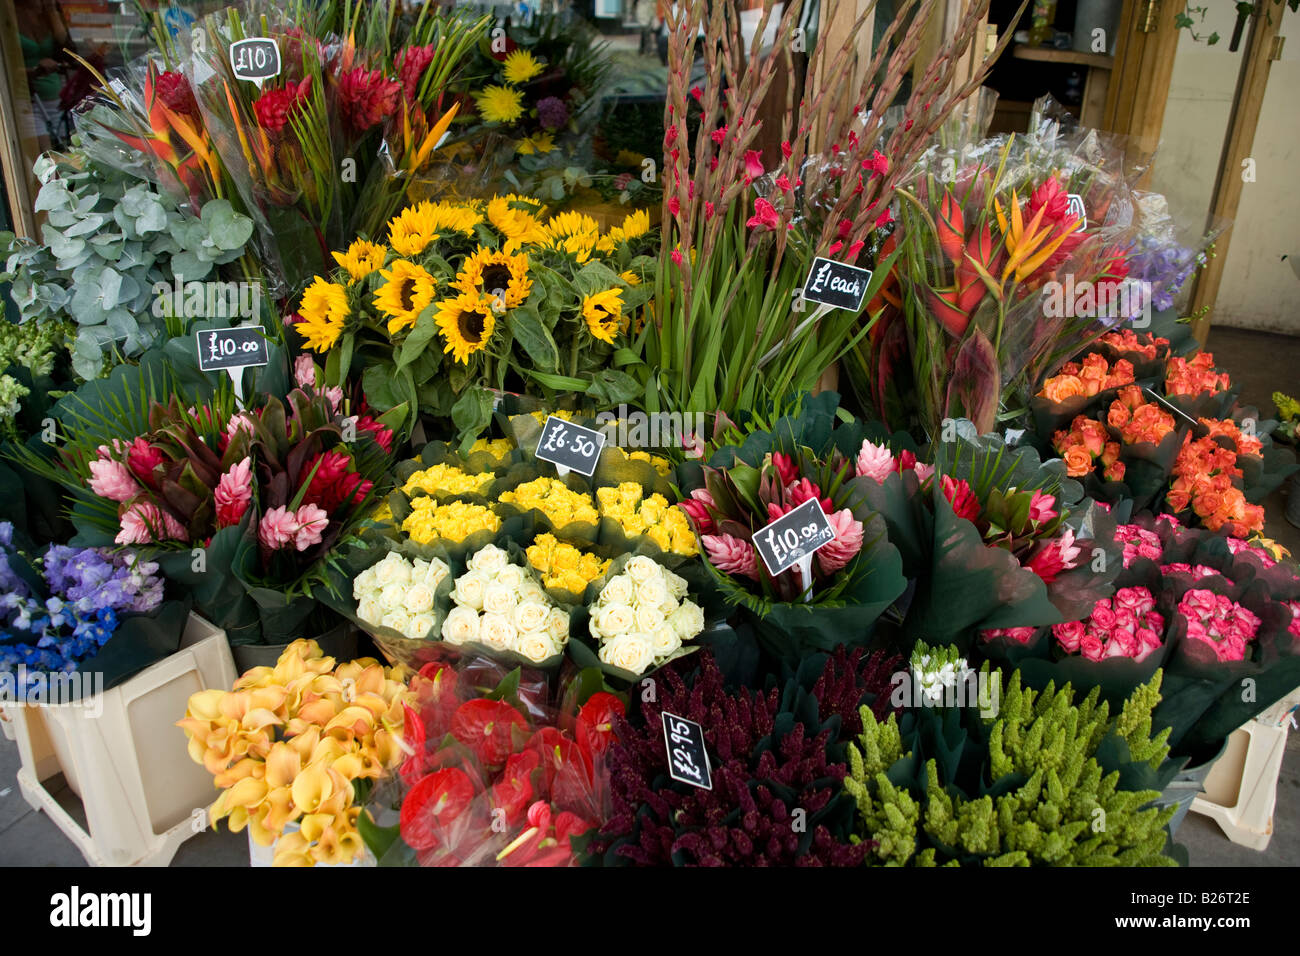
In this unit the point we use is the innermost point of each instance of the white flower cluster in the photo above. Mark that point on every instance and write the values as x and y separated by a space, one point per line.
938 673
641 616
398 593
500 605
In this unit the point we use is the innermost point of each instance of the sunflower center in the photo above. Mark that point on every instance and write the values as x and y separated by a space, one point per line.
496 277
471 326
406 294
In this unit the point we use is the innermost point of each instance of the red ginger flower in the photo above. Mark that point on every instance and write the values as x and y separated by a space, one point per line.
961 497
367 97
175 92
142 458
803 490
410 65
274 107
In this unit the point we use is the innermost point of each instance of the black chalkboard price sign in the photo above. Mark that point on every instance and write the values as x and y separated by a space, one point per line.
571 446
688 761
256 59
836 284
222 349
793 536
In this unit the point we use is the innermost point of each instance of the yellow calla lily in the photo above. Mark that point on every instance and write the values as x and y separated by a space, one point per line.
311 788
283 764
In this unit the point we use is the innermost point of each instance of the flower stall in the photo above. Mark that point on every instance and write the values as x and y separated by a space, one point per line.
530 534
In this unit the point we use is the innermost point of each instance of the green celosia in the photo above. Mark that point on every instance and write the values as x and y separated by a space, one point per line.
1065 809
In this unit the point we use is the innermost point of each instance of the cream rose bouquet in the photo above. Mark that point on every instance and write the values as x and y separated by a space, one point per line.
400 594
642 618
500 606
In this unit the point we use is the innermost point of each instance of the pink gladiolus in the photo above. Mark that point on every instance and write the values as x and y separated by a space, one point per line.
753 163
874 461
1041 507
783 183
764 215
311 522
112 480
676 257
731 555
719 135
847 543
144 523
277 529
234 493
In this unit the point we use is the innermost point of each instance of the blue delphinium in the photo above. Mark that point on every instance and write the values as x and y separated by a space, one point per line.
89 588
1164 264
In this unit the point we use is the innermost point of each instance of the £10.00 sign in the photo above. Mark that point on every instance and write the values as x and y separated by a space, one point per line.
570 446
223 349
793 536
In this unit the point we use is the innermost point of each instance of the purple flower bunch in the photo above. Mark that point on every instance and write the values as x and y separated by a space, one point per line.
88 589
1165 264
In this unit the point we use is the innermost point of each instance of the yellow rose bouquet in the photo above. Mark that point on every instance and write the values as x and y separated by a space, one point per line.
294 749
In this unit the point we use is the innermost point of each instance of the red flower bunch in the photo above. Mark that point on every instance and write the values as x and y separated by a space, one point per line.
1137 419
1194 376
274 107
1127 625
367 98
175 92
490 782
1094 374
1085 441
1052 202
410 65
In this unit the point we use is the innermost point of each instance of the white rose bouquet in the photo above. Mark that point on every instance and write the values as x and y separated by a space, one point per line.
500 605
642 616
400 594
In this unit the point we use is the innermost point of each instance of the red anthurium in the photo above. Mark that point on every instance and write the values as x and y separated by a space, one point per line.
513 792
595 728
433 805
413 740
485 727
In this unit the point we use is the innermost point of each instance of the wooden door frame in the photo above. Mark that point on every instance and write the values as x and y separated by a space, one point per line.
15 118
1238 144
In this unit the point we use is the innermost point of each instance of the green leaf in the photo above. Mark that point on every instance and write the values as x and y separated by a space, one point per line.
419 337
472 413
227 228
612 387
532 334
378 384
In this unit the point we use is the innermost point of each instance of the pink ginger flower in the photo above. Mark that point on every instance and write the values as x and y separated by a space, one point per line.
1042 507
1020 635
1054 557
874 461
234 493
312 522
731 555
144 523
304 372
847 543
277 529
923 471
112 480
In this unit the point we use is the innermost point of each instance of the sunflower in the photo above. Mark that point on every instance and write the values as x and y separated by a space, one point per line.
485 272
411 230
521 66
537 143
604 313
634 224
518 226
573 233
406 293
324 308
500 104
630 277
362 258
467 323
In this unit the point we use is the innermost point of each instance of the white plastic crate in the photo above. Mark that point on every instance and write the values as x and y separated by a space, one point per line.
1241 789
130 764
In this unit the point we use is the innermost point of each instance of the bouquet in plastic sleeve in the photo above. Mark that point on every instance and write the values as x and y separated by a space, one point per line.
495 773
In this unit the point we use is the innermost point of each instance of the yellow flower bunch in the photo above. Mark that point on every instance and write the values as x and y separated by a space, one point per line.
552 498
563 566
662 465
650 516
498 448
447 479
540 417
454 521
285 745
